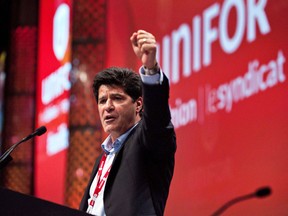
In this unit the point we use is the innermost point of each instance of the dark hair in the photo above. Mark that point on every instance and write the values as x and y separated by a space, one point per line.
122 77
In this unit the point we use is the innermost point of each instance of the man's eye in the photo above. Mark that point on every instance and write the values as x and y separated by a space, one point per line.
102 101
118 98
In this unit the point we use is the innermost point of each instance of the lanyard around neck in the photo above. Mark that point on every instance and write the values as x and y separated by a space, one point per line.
101 179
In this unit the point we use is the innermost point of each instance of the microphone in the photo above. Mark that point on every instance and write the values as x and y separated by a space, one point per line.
39 131
259 193
6 158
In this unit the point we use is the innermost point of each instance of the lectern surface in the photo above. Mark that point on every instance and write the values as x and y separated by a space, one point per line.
13 204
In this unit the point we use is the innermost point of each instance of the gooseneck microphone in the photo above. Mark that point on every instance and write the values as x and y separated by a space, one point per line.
259 193
6 158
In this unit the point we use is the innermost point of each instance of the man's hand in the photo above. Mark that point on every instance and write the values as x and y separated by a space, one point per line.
144 46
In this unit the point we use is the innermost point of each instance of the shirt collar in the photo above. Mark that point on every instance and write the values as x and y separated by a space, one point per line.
110 148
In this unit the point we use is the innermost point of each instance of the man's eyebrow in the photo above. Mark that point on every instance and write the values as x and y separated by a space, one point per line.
102 97
113 94
117 93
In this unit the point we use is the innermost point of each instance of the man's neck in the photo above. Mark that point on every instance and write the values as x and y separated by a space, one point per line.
114 136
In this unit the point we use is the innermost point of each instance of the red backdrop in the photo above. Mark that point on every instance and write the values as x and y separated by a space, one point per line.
226 61
52 98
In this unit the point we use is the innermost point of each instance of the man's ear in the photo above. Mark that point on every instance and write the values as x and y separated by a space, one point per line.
139 104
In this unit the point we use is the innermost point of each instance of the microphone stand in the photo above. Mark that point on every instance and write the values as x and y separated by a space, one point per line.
260 193
6 158
232 202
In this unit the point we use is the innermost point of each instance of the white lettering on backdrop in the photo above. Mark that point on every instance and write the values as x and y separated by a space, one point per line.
195 42
249 18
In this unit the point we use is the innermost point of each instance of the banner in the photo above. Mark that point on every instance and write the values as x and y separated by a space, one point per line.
226 62
54 66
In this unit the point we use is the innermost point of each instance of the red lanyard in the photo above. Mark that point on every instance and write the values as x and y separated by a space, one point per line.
101 181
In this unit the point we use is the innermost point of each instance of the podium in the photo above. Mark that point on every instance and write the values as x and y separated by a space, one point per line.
14 203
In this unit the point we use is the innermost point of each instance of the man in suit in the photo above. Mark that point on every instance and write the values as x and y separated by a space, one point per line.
133 175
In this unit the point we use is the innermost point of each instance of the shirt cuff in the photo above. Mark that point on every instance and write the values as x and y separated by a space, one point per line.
151 79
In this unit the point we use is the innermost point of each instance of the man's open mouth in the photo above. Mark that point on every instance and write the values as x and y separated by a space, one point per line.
109 118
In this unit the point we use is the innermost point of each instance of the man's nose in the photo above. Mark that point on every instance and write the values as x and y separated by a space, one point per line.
109 105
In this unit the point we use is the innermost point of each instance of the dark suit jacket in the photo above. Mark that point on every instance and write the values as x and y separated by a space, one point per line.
139 180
